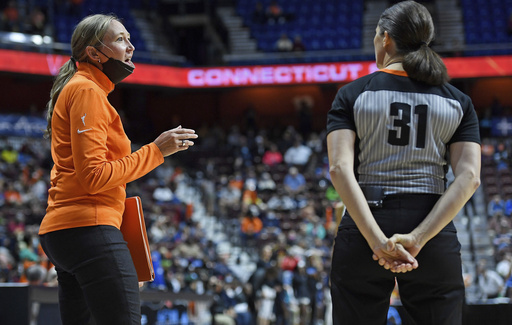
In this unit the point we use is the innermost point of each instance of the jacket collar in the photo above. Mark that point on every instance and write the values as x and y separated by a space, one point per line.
93 73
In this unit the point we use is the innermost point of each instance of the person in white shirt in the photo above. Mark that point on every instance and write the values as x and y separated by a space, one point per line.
489 281
298 154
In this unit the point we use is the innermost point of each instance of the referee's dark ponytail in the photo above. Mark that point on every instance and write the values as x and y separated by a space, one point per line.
411 27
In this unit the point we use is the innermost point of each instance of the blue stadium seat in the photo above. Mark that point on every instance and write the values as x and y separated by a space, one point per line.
64 23
320 23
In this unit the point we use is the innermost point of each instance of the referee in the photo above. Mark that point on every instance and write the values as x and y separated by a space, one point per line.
390 137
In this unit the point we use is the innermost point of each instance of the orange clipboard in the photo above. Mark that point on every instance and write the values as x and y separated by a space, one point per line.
133 228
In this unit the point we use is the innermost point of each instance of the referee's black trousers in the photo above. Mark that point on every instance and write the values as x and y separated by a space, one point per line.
361 288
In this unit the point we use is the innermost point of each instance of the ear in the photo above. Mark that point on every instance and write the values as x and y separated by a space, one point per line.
388 42
92 53
386 39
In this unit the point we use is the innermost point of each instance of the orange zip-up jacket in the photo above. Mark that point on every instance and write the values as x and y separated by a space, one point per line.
92 156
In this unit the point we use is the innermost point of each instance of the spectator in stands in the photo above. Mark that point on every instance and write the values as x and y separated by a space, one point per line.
315 142
493 222
234 137
222 309
36 274
267 296
229 196
92 164
294 182
501 157
284 43
243 154
255 281
281 200
240 300
16 226
303 291
496 205
221 268
7 263
504 264
288 263
158 229
489 281
281 305
275 13
272 155
12 194
298 154
189 248
250 227
503 238
163 193
36 22
311 223
250 189
504 268
266 183
207 188
286 139
259 15
10 17
38 188
298 45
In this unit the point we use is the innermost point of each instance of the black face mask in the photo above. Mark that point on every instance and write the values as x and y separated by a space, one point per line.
116 70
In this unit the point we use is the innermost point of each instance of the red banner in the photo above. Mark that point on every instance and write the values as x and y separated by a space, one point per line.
286 74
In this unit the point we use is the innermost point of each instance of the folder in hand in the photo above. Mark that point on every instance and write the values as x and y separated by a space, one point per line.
133 228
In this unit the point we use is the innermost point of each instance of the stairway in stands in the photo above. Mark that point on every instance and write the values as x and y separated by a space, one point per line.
239 35
472 231
157 46
449 26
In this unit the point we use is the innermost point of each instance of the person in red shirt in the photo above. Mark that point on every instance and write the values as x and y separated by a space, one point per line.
272 156
93 161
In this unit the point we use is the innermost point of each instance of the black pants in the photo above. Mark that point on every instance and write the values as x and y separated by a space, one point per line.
361 288
97 278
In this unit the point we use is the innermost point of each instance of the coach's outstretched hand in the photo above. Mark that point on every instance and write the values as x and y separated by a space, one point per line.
174 140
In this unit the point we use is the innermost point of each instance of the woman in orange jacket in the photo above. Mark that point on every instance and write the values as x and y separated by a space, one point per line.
92 164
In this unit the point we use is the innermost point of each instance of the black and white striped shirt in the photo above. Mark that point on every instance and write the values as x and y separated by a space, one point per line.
403 129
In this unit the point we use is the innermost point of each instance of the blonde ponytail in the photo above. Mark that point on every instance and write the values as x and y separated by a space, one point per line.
89 32
65 73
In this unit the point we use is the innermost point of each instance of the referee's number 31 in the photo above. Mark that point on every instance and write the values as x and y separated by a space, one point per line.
400 135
